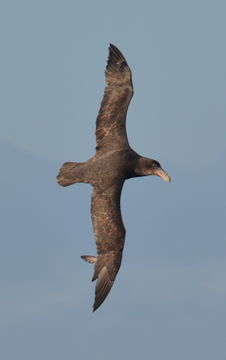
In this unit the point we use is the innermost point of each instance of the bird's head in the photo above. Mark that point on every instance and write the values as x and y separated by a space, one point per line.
146 166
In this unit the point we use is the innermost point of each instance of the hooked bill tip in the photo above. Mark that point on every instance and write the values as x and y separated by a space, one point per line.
162 174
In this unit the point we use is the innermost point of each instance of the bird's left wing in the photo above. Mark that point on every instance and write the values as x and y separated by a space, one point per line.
111 120
110 236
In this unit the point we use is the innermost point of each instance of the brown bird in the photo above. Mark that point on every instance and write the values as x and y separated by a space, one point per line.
113 163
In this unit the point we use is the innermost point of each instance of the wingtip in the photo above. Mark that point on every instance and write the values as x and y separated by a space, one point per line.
113 47
96 306
115 53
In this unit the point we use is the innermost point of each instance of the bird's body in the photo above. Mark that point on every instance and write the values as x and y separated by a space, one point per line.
113 163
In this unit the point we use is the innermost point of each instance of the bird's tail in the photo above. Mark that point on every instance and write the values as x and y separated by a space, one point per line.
70 173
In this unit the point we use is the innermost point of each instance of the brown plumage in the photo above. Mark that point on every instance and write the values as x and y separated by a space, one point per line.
113 163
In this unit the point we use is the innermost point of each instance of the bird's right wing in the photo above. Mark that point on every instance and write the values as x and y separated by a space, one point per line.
110 236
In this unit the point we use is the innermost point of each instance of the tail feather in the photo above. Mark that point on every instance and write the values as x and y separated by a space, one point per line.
68 174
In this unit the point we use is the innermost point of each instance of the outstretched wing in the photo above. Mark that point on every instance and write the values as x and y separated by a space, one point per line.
110 236
111 120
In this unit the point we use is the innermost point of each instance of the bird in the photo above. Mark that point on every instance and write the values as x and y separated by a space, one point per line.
113 163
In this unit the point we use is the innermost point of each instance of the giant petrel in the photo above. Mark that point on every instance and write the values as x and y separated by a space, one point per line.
113 163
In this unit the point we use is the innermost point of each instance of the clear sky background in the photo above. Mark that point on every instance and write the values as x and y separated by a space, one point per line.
169 300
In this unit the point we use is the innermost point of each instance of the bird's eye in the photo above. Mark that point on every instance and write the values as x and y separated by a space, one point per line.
156 164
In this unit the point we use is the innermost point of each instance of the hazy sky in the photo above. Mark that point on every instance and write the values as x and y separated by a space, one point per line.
169 298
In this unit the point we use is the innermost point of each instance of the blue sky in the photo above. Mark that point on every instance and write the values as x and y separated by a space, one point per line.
170 294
